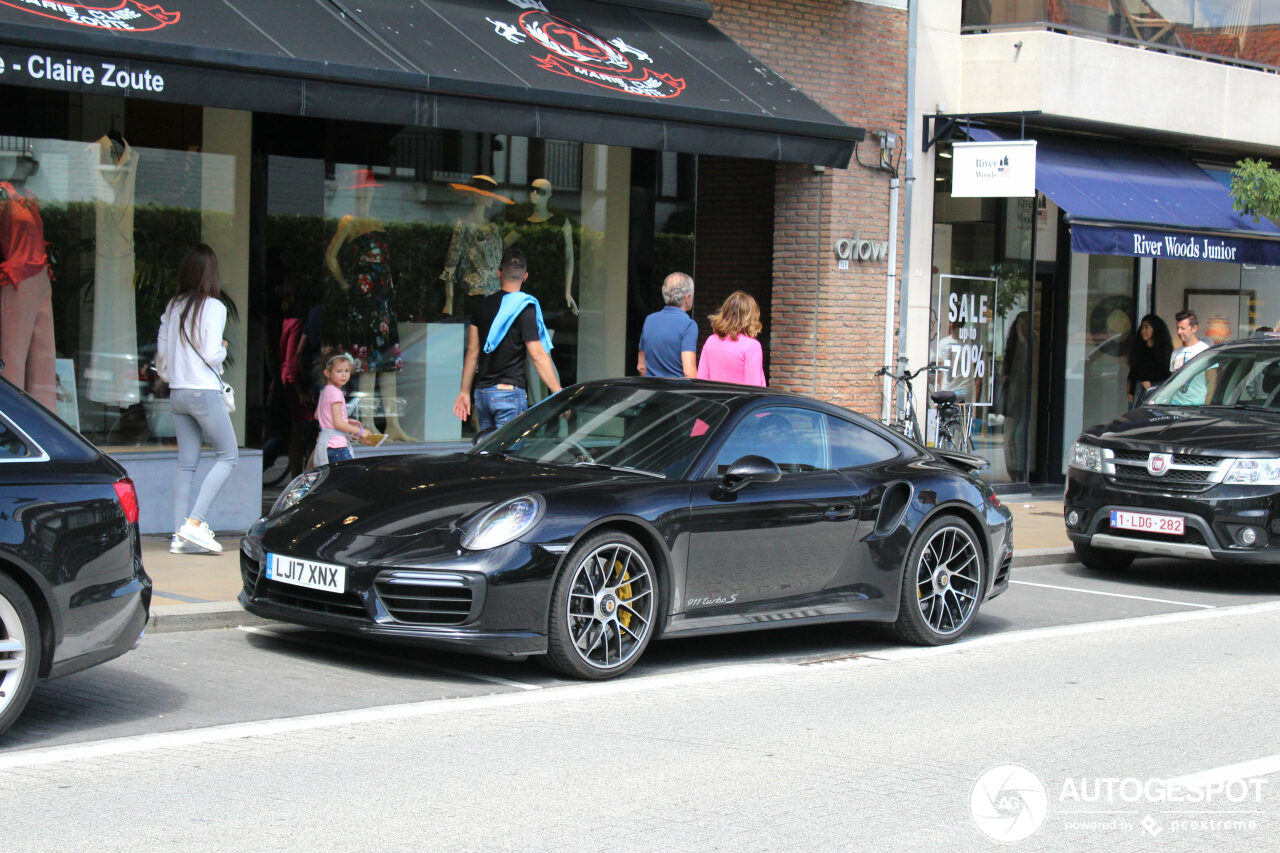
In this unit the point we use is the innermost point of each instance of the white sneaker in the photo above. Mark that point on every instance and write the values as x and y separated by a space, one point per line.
200 534
178 545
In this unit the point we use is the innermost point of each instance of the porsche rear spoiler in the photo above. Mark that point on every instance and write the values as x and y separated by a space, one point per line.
963 461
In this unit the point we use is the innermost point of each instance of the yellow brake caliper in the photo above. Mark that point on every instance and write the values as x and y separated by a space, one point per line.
624 594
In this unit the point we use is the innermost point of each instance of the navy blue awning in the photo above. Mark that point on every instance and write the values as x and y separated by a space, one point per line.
1144 202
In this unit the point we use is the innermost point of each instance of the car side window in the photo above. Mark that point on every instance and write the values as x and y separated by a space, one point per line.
11 444
792 438
853 446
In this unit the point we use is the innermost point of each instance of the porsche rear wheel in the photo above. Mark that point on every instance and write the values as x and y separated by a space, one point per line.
19 651
602 608
942 583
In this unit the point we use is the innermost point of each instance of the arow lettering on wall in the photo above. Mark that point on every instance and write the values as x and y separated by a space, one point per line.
857 249
1184 246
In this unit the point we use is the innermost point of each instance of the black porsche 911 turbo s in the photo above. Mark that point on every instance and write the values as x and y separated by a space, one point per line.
73 592
622 510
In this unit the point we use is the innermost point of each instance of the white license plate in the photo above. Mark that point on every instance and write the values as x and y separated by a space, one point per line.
1174 525
308 573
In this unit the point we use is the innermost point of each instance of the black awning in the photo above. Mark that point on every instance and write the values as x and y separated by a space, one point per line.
643 75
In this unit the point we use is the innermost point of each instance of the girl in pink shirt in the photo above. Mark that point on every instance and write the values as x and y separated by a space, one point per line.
331 412
733 354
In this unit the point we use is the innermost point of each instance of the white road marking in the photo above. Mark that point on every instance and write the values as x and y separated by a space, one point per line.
283 634
1243 770
580 692
1114 594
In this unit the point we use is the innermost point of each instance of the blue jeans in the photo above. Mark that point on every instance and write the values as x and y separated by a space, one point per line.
495 406
197 414
338 454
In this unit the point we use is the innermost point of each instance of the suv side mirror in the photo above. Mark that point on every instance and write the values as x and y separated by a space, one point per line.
750 469
1140 394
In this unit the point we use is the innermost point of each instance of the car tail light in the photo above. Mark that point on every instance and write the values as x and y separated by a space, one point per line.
128 497
994 499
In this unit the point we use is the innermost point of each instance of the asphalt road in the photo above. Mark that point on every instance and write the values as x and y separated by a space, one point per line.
828 737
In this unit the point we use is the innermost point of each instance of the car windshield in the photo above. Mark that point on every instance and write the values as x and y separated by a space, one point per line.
617 426
1243 378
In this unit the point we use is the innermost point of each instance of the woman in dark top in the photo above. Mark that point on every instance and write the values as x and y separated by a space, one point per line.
1149 355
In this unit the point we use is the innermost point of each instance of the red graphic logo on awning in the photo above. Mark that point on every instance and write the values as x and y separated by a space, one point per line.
123 15
575 52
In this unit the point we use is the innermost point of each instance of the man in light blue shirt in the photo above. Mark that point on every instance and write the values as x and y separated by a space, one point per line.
669 342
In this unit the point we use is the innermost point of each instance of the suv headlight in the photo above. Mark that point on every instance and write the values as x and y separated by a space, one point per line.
502 524
1254 472
297 489
1086 457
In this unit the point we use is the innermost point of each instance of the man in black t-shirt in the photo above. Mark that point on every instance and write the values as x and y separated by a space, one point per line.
499 374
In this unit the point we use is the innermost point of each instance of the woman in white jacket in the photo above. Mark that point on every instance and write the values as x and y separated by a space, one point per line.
190 350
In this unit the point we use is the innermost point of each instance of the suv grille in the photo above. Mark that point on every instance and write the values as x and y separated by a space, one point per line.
1140 457
421 599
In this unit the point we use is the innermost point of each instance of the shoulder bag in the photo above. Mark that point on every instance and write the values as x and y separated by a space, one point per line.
228 393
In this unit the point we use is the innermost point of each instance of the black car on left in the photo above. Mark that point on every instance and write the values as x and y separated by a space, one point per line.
73 592
621 511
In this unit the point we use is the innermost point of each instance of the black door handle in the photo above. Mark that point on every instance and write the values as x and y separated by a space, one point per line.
840 512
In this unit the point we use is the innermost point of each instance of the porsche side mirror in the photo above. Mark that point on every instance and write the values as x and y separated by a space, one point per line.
750 469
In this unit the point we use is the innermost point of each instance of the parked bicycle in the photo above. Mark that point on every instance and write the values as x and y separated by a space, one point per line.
903 416
955 417
955 421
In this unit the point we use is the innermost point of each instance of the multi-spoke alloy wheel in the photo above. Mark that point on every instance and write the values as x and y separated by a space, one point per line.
19 651
602 611
942 583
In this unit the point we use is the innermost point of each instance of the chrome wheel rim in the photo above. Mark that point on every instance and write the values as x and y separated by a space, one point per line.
948 579
13 653
610 606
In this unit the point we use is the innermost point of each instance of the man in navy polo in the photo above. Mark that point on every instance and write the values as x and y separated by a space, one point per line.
669 342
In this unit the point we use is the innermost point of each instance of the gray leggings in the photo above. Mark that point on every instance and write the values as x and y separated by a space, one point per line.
200 413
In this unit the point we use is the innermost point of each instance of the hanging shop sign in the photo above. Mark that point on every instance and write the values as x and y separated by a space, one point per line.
964 340
993 169
856 249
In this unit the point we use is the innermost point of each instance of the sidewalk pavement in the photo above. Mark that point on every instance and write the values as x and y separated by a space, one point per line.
195 591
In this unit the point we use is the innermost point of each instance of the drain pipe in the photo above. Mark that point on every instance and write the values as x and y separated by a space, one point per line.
890 282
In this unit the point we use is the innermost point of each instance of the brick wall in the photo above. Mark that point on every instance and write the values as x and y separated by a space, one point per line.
827 325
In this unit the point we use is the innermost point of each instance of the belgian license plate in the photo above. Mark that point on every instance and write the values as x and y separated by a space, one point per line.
1174 525
308 573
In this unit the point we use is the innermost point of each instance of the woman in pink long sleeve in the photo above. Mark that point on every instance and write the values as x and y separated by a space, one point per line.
733 354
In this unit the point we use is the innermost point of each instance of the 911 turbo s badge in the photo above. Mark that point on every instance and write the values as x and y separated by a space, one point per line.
124 15
582 55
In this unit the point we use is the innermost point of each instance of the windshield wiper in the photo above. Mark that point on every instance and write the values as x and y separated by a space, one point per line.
623 468
1254 407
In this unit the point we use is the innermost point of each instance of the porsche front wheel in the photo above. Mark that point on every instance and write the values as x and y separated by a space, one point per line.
602 608
941 584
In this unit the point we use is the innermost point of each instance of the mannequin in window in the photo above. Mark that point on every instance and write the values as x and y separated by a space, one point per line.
539 196
476 248
26 297
373 335
112 172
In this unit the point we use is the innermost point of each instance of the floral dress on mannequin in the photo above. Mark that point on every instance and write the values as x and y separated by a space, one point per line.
372 333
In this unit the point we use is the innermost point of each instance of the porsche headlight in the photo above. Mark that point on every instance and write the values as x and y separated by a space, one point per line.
505 522
297 490
1254 472
1087 457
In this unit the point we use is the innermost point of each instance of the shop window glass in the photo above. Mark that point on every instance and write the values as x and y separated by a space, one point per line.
384 254
117 213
